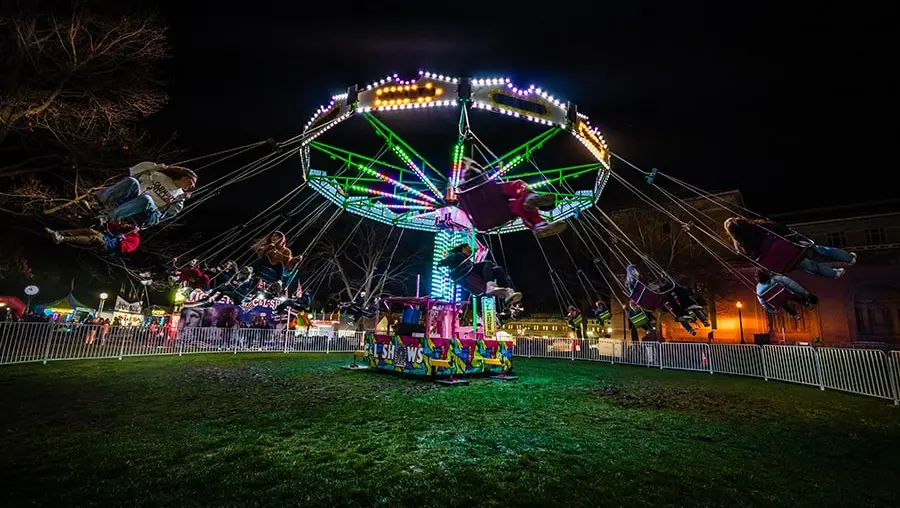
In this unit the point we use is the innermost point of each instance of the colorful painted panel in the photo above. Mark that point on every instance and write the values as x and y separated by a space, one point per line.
437 357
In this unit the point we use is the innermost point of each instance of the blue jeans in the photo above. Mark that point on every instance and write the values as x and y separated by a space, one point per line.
128 201
829 253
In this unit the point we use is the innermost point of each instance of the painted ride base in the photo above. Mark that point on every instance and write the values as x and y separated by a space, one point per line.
443 358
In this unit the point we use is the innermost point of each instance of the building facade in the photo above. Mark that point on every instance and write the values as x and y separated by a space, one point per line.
862 306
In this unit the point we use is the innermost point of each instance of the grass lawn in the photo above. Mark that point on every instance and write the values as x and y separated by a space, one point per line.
295 430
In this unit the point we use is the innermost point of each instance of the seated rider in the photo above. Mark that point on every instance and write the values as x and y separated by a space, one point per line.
273 257
460 264
119 238
765 281
635 310
193 277
601 312
238 285
523 203
298 303
575 320
151 194
748 236
679 300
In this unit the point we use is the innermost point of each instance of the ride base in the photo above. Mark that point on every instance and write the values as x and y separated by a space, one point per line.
445 360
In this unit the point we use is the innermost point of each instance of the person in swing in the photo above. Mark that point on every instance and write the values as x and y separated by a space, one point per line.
152 193
679 300
522 202
273 257
765 282
118 240
575 320
748 236
193 277
459 261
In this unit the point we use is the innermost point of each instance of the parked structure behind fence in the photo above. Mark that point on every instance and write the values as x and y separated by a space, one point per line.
870 372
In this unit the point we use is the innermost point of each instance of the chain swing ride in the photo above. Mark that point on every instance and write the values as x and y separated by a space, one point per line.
400 187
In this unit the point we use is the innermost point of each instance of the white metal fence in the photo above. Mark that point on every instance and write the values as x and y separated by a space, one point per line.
869 372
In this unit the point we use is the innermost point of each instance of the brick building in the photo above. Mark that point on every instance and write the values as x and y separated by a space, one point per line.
862 306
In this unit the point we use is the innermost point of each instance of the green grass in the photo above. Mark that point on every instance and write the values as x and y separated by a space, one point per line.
295 430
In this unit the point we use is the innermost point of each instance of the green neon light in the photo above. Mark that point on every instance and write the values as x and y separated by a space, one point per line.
401 148
560 171
538 140
347 156
559 178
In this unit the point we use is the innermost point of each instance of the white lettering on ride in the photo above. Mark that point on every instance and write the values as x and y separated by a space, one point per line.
414 355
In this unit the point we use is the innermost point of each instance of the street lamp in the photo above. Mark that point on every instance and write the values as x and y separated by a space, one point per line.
103 297
741 321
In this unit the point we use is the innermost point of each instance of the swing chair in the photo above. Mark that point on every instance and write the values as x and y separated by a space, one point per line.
777 296
646 298
640 319
484 203
779 255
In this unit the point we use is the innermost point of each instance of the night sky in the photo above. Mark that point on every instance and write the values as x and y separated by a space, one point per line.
789 107
786 106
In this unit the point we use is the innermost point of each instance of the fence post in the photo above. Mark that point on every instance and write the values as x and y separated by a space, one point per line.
819 376
574 345
284 338
327 343
762 360
892 377
659 353
49 342
122 347
708 354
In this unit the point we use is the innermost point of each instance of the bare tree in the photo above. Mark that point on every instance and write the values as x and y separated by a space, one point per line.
75 84
372 262
676 245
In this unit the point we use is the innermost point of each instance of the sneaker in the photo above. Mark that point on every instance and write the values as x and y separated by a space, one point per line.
545 229
695 307
540 201
839 273
853 259
57 238
490 288
513 297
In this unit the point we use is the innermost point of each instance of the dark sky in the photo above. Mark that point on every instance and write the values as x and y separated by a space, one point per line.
788 106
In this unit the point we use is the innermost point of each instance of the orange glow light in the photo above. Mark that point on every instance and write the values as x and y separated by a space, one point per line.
739 305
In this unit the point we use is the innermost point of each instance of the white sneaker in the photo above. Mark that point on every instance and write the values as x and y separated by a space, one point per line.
545 229
490 288
513 297
840 272
57 238
852 261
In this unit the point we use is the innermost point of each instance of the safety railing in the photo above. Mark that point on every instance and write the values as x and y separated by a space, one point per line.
870 372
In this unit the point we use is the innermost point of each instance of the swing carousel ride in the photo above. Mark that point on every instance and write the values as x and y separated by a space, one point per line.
385 179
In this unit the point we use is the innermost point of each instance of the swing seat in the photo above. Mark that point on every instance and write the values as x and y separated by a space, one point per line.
640 320
473 283
605 316
485 204
777 296
647 299
779 255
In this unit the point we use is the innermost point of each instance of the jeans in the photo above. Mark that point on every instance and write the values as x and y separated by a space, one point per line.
128 201
491 273
829 253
